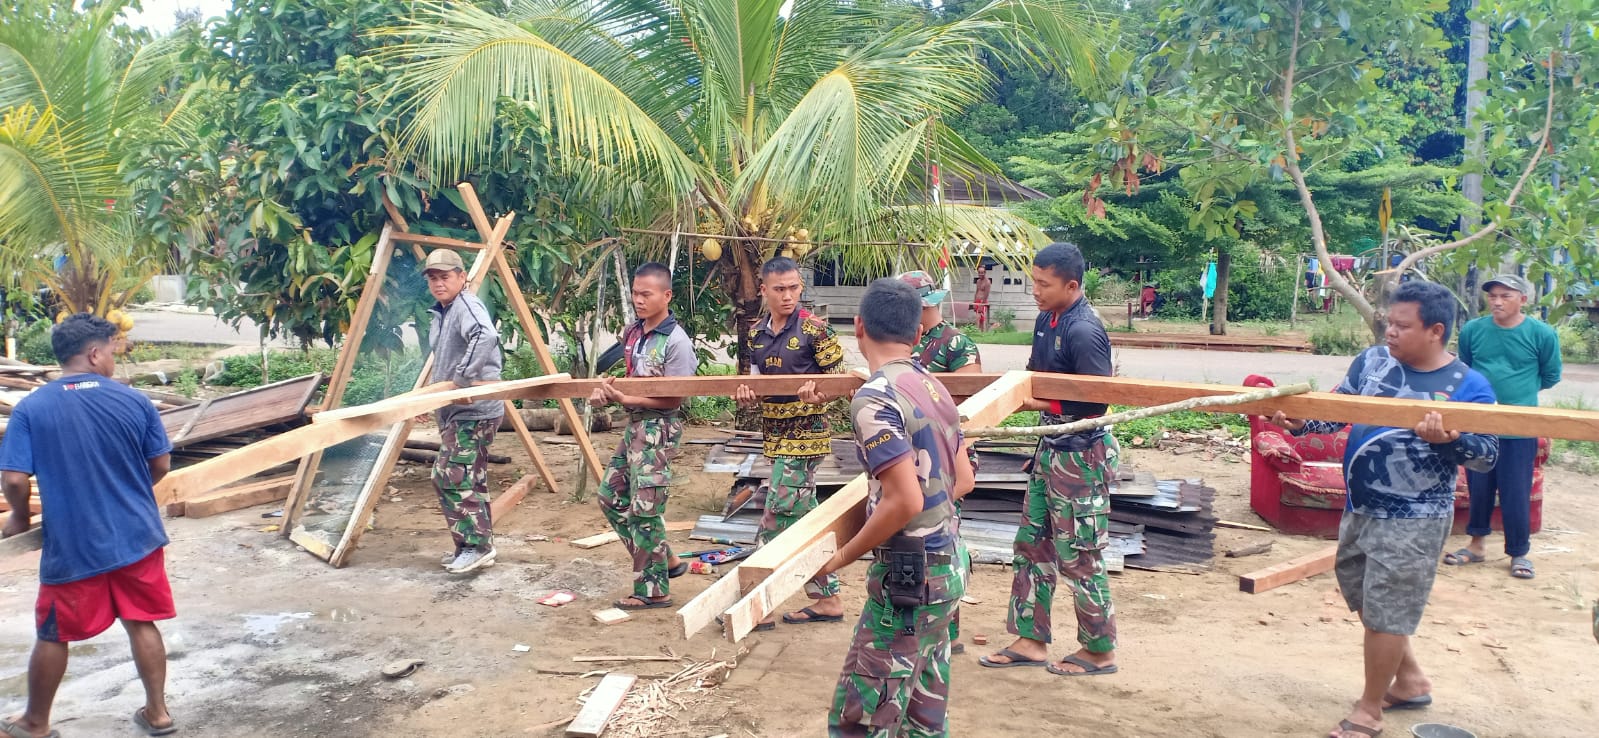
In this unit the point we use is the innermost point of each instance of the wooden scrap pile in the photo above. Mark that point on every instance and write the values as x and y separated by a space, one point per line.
652 708
1157 525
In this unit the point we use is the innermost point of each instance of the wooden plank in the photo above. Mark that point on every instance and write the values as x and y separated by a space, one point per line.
1289 571
228 500
438 242
212 473
713 601
531 446
1576 425
997 401
507 501
601 704
270 404
610 536
429 401
31 539
837 385
611 616
398 221
760 602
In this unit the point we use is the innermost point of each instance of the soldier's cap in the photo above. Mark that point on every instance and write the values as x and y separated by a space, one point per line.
1515 282
924 284
441 260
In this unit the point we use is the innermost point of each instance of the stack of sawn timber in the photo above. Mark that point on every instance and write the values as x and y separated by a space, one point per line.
1160 525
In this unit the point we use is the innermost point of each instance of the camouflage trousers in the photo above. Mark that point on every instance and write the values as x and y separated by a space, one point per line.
790 493
896 683
633 498
1065 529
461 476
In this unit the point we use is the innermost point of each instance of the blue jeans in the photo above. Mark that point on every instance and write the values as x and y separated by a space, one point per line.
1512 479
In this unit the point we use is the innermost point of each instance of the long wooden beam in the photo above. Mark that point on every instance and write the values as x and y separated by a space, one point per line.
763 600
422 403
834 385
262 455
1507 420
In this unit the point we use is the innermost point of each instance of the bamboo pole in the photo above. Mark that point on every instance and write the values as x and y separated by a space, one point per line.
1192 403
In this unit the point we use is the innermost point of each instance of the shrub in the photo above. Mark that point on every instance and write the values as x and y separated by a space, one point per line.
1579 340
1001 320
1109 288
1339 337
33 345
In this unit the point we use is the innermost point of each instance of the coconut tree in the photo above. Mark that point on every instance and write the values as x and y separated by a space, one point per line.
819 129
76 95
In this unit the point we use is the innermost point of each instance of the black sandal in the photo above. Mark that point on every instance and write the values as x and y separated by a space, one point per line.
811 616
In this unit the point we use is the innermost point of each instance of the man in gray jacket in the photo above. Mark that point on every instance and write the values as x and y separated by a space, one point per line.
466 351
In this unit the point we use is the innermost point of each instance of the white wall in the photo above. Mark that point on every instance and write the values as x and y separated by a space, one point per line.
842 302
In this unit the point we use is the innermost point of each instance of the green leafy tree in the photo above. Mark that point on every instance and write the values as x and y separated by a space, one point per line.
78 93
727 118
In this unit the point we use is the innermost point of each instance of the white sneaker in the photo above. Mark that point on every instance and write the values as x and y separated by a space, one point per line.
471 558
449 558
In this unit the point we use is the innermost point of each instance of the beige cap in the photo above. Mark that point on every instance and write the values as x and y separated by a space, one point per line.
443 260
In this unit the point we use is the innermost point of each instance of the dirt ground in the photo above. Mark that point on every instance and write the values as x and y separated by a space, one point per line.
271 641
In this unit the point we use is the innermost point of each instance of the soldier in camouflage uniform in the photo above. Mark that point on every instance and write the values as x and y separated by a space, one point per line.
896 676
943 349
466 350
789 340
633 497
1066 513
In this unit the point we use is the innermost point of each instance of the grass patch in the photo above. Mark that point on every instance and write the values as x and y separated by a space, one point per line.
1343 333
1006 338
374 377
191 353
712 409
1185 421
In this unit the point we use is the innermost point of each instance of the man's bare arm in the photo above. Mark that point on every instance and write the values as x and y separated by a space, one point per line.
17 489
901 501
159 466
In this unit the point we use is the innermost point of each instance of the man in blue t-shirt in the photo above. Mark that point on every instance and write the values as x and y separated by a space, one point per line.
1400 501
97 449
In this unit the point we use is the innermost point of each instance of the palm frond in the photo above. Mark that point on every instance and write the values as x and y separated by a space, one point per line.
458 62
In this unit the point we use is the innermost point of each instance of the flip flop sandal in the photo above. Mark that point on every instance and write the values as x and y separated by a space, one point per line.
812 616
17 731
1414 703
1344 726
759 627
401 669
648 604
1521 568
144 724
1090 668
1016 660
1461 558
677 571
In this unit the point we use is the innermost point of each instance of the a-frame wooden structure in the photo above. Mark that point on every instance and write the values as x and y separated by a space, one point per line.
486 258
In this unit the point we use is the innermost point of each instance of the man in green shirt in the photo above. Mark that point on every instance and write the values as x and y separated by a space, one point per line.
943 349
1520 355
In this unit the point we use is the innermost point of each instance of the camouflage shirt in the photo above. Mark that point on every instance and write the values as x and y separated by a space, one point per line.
904 411
945 349
665 351
806 345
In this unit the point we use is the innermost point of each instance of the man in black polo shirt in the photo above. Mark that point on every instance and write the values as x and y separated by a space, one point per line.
1066 525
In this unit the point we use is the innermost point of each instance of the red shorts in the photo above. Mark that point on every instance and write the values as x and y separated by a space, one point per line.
78 611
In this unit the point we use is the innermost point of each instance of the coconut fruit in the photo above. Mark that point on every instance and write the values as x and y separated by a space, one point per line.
711 250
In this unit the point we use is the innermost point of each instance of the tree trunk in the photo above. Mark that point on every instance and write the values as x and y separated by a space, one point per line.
1218 318
741 281
1476 72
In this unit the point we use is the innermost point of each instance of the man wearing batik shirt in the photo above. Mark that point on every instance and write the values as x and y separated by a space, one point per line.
1401 495
633 498
943 348
789 340
895 680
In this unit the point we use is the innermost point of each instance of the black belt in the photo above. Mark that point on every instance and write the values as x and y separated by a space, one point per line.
933 559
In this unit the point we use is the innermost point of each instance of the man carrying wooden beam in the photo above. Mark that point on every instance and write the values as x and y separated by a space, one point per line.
1067 508
466 350
639 476
1400 501
789 340
896 676
97 449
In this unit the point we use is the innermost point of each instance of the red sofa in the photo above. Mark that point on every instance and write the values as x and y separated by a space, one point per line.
1297 484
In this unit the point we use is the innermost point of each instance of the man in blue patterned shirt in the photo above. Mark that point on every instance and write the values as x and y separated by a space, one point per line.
1400 502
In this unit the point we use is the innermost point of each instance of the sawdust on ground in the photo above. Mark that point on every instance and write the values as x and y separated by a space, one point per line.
271 641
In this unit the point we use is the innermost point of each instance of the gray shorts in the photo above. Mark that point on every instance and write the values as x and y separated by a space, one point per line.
1386 567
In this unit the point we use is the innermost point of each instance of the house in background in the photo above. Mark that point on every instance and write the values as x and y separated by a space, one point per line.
837 294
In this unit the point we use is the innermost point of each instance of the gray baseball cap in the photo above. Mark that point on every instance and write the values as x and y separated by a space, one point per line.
1515 282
